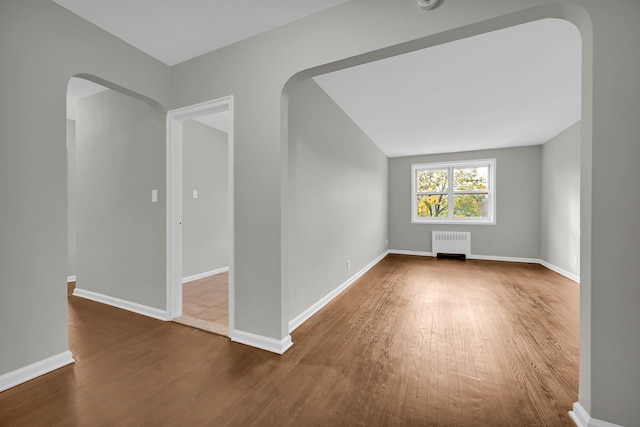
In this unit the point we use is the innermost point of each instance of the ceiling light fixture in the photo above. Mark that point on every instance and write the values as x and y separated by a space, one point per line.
429 4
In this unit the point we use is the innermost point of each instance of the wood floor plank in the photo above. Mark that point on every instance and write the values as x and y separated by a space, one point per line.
415 342
205 304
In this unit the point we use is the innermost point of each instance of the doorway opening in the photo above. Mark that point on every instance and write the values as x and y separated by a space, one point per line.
77 89
200 285
565 143
115 178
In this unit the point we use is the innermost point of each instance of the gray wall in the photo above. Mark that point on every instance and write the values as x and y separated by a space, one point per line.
205 220
42 45
337 197
120 158
560 204
71 198
517 229
256 70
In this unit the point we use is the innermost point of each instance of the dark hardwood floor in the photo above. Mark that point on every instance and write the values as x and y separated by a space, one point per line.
415 342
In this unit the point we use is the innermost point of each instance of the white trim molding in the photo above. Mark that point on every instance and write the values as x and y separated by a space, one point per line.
579 416
305 315
505 258
560 271
71 279
415 253
29 372
543 263
261 342
472 256
582 418
123 304
204 275
450 192
174 143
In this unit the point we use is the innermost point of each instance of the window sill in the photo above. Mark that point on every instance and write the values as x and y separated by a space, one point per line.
449 222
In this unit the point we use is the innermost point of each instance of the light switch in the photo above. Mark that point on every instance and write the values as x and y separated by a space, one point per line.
154 196
195 194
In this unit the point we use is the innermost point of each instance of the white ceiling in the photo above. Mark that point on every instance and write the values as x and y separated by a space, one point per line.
175 31
514 87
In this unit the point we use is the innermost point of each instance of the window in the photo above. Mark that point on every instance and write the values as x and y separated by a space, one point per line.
454 192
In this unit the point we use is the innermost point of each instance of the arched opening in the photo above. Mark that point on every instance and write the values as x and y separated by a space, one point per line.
582 166
116 185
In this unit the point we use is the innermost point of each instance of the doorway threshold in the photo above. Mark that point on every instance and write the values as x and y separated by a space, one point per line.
205 325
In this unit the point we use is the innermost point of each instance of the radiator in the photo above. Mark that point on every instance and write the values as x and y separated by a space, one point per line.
451 242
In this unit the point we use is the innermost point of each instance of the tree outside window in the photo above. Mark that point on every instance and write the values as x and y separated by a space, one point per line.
454 192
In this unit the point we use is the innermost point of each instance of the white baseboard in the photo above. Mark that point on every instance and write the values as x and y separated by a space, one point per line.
560 271
261 342
550 266
205 274
403 252
582 419
29 372
472 256
123 304
305 315
505 258
71 279
579 415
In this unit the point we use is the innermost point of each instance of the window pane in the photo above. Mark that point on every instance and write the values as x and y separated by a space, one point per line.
470 206
433 206
432 180
476 178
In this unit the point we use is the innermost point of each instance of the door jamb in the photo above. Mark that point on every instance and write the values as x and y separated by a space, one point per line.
175 119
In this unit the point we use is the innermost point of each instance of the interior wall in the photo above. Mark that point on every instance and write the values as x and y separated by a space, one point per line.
256 70
610 255
120 159
42 45
560 203
205 220
517 229
337 197
71 198
260 70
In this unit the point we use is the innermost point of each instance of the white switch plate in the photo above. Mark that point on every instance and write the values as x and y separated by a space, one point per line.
195 194
154 196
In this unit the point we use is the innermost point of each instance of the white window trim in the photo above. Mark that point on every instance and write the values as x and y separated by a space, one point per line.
491 198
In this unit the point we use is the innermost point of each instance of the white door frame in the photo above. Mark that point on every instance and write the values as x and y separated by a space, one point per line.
175 119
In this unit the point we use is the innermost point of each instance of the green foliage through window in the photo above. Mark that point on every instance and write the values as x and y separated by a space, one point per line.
465 186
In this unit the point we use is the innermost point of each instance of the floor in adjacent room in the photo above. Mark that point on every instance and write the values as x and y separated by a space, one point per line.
205 304
416 341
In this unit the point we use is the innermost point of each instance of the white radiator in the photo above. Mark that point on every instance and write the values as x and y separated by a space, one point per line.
451 242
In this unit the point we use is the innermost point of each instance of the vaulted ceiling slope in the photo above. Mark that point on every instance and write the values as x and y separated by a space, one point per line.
175 31
513 87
